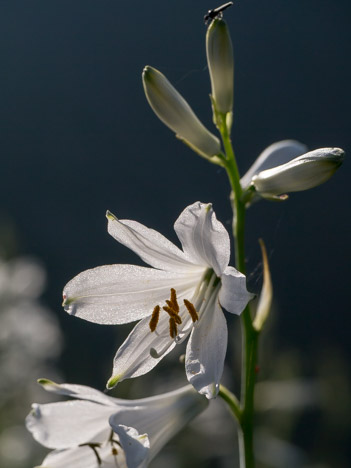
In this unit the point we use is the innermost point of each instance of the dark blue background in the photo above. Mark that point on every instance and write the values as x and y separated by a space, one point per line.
77 137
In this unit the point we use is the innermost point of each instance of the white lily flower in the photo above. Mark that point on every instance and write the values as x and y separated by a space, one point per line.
180 296
98 431
220 61
302 173
175 112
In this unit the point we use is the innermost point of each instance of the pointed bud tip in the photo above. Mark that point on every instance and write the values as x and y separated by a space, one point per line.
113 381
110 216
45 382
148 73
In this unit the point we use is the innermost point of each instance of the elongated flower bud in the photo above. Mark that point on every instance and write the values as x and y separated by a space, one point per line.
302 173
221 65
175 112
266 296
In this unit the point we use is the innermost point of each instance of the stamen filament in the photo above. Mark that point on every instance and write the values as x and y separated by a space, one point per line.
173 329
94 446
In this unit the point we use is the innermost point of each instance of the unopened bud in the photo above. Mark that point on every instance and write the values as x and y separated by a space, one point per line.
266 296
221 65
175 112
302 173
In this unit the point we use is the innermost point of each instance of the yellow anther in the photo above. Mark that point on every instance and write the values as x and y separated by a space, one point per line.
173 329
173 314
154 318
174 301
191 309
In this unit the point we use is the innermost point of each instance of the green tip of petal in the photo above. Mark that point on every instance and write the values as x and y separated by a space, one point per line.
110 216
67 301
45 382
113 381
147 73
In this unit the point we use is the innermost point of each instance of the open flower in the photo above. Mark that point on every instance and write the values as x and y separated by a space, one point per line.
181 295
98 431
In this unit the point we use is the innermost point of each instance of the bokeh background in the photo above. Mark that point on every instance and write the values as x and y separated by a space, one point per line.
77 138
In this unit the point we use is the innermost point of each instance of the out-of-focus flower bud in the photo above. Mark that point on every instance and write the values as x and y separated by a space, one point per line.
176 113
302 173
266 296
221 65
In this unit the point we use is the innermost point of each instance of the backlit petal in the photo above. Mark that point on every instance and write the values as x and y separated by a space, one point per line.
133 358
233 295
162 416
68 423
204 239
81 392
115 294
150 245
84 457
206 351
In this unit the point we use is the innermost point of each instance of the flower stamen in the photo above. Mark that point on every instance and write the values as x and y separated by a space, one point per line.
191 309
94 446
173 329
173 314
154 318
172 309
174 302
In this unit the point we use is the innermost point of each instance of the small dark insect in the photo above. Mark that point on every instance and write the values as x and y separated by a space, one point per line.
212 14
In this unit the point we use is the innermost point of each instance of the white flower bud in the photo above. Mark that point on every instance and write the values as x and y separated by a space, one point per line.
221 65
176 113
302 173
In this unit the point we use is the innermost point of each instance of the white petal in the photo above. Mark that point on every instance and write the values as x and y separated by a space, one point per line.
136 447
115 294
81 392
206 351
68 423
275 155
84 457
133 358
162 416
150 245
204 239
233 295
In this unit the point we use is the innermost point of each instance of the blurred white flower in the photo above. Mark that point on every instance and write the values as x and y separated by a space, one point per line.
99 430
30 339
29 332
199 276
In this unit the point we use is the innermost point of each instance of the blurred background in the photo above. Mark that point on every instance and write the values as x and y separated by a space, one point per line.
78 138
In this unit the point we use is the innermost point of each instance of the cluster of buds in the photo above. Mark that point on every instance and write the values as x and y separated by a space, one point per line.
284 167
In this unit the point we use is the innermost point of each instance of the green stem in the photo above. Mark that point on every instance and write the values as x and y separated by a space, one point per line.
231 401
249 335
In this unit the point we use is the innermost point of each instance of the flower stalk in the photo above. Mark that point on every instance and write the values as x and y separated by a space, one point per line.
249 334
